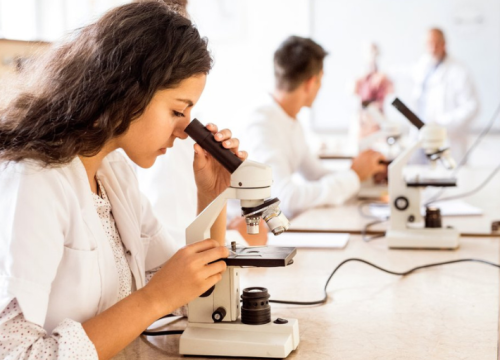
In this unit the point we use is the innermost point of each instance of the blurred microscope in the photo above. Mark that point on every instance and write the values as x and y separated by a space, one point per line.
387 140
407 227
215 327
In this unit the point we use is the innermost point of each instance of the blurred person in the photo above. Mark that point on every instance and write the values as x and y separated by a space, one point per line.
372 87
444 93
277 138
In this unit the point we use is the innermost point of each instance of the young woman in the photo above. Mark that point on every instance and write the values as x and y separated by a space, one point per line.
76 236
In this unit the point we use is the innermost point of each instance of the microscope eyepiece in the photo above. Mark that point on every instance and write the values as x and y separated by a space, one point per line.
407 113
206 140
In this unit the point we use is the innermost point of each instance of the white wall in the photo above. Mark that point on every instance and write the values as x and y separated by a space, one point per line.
243 37
49 20
472 28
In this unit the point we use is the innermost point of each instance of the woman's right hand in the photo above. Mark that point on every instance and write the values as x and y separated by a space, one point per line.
187 275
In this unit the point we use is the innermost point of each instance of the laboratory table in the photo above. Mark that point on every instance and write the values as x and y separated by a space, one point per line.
349 217
448 312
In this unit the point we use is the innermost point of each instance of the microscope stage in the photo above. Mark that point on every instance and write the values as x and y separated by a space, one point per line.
438 182
261 256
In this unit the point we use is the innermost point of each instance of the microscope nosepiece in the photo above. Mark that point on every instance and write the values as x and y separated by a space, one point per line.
269 211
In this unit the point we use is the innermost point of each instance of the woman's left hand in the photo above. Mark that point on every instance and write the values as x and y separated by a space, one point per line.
210 176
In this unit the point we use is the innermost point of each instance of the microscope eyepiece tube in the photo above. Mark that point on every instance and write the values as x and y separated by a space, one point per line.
407 113
206 140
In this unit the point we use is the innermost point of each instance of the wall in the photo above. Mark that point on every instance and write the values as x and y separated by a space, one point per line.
243 36
49 20
344 26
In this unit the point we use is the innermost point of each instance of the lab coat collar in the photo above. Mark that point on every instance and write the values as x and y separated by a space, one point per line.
439 70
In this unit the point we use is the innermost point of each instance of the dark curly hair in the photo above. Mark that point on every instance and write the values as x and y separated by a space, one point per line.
89 90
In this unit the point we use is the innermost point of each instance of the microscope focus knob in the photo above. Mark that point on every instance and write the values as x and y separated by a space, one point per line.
219 314
401 203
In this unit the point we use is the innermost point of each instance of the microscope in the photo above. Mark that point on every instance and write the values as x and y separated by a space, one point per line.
215 327
407 227
390 132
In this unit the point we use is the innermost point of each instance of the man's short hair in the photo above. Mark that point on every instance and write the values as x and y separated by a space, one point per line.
296 60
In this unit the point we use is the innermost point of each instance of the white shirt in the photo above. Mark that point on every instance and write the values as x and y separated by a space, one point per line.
274 138
55 258
445 95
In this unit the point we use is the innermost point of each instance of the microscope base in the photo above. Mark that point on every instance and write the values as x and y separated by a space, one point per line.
241 340
427 238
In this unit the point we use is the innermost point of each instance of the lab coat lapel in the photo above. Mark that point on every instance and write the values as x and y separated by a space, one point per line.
126 220
109 278
437 76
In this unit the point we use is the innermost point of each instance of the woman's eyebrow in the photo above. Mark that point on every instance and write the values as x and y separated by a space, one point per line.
187 101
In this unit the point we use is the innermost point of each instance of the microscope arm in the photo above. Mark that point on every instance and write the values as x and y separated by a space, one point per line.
397 165
200 228
400 194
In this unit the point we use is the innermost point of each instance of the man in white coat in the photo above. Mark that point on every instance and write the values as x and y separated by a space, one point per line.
444 93
275 137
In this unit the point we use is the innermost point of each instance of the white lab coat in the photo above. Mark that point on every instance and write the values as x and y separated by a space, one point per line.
171 188
448 99
274 138
54 255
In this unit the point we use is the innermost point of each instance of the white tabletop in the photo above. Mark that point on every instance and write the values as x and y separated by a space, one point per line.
449 312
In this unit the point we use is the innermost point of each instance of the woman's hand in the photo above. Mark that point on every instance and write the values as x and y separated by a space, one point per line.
187 275
210 176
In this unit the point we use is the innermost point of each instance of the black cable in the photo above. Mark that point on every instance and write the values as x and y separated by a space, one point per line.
325 298
159 333
462 161
367 226
470 192
483 133
404 273
166 332
377 220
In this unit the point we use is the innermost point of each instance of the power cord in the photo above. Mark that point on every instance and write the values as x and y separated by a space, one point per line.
462 161
368 226
470 192
377 220
325 297
166 332
160 333
404 273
